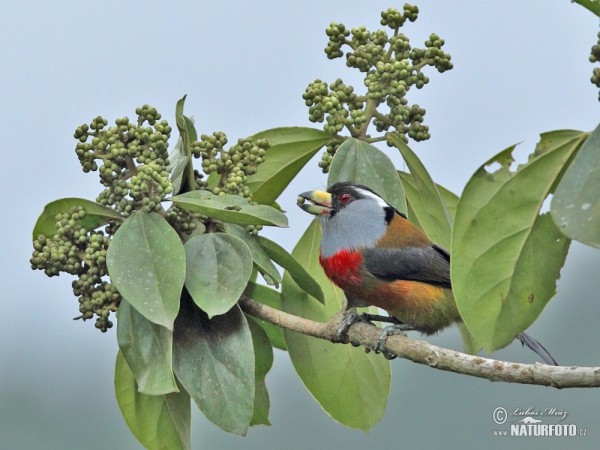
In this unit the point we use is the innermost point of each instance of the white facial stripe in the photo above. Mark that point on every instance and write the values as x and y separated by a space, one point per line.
381 202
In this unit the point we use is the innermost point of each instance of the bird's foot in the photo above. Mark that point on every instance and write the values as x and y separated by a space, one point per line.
349 318
391 330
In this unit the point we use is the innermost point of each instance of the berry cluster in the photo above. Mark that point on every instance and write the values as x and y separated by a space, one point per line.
132 161
80 252
233 165
184 221
133 158
594 57
391 66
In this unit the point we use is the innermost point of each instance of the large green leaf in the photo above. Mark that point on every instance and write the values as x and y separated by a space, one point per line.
96 215
272 298
576 202
450 200
147 347
263 356
260 257
291 148
365 164
428 205
351 385
146 263
230 208
218 267
414 203
214 361
506 256
278 254
158 421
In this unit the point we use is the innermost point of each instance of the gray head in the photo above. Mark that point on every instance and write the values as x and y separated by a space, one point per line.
352 216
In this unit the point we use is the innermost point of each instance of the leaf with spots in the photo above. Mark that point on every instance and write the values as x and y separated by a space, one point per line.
147 347
230 208
506 257
576 202
218 267
157 421
214 361
146 263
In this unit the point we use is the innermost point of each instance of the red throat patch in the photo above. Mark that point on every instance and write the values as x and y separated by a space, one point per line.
343 267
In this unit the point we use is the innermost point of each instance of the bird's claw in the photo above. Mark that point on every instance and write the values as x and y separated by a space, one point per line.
391 330
350 318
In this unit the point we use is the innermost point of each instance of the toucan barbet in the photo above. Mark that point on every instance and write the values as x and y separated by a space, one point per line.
379 258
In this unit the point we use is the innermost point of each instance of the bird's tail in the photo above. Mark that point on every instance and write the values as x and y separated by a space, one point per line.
534 345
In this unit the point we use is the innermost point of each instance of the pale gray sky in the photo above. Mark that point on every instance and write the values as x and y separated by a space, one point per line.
521 68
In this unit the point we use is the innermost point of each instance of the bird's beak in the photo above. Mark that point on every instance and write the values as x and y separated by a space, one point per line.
319 202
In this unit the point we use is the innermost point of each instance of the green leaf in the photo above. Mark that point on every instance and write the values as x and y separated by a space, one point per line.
263 356
576 202
350 385
592 5
218 267
146 263
272 298
470 345
278 254
157 421
178 159
187 181
214 361
450 200
291 148
147 347
260 257
415 206
213 180
507 257
96 215
428 205
181 125
358 161
220 207
191 128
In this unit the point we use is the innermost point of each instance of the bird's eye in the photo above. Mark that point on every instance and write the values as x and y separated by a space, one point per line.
344 198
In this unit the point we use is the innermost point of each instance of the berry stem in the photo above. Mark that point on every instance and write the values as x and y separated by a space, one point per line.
382 117
377 139
390 51
369 112
353 130
131 167
350 44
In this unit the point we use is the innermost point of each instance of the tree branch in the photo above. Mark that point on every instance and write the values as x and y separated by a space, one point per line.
422 352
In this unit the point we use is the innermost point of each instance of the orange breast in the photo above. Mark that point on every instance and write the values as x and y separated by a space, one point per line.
425 307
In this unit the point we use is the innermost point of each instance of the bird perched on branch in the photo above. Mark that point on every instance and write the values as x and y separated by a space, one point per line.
379 258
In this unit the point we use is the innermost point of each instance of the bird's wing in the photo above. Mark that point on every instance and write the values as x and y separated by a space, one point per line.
425 264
